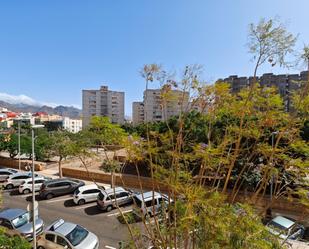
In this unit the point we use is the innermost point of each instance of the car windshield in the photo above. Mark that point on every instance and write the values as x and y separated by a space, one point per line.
77 235
277 226
21 220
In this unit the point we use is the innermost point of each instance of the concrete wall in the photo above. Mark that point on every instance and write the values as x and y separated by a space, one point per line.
13 163
129 181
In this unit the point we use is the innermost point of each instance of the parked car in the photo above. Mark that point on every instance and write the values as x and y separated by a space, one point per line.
16 179
6 172
149 203
61 186
19 219
110 198
87 193
61 234
286 228
26 185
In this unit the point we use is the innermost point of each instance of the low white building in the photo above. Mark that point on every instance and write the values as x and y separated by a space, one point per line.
72 125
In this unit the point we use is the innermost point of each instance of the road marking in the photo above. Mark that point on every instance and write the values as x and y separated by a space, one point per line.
118 213
110 247
23 195
59 199
84 206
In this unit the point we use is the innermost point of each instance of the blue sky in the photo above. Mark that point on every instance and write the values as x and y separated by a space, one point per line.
51 50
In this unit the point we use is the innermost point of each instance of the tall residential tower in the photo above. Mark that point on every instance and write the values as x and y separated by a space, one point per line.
103 102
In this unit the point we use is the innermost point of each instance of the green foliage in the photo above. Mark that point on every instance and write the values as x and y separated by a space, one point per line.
14 242
103 132
269 41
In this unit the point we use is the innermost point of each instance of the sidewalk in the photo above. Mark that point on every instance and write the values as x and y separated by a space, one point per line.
53 173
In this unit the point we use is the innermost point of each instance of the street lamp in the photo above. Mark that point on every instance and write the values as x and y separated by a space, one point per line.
33 127
19 167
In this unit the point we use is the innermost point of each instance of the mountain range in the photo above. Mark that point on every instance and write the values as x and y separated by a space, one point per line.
68 111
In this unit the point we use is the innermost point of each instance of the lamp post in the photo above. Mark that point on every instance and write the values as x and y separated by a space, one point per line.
19 144
33 127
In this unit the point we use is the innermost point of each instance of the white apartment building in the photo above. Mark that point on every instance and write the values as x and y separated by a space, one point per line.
72 125
155 107
137 113
103 102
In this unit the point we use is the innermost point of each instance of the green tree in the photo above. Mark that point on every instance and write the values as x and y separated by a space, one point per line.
101 133
61 146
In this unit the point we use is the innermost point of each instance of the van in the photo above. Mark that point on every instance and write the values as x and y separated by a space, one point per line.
149 204
110 198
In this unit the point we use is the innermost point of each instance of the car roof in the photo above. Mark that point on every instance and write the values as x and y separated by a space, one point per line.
64 179
148 195
62 227
21 174
285 222
87 187
112 190
12 213
9 169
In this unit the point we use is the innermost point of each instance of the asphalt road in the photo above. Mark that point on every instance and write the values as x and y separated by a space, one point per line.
104 225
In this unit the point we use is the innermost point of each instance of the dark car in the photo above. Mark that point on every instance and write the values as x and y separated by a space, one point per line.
19 220
61 186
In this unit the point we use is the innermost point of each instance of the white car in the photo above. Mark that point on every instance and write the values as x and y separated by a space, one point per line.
87 193
26 185
6 172
67 235
16 179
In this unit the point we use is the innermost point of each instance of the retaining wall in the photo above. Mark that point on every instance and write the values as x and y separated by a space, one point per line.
13 163
132 181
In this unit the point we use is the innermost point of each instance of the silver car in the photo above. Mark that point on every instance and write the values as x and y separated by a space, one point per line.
113 197
19 220
5 173
67 235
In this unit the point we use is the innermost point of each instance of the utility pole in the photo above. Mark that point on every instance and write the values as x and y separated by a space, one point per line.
19 167
34 203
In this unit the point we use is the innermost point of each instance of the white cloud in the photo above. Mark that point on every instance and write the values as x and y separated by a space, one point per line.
23 99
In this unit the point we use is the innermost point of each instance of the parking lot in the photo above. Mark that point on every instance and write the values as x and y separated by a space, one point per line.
104 224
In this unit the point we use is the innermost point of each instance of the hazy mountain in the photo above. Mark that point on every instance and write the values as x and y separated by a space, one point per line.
68 111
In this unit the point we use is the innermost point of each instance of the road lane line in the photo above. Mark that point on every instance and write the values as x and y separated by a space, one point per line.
84 206
110 247
118 213
24 195
59 199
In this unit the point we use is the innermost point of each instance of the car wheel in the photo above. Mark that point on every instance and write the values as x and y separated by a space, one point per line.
81 202
109 208
41 247
26 191
49 196
9 186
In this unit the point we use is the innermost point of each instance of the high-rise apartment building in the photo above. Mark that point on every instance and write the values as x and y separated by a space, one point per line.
155 107
103 102
137 113
286 83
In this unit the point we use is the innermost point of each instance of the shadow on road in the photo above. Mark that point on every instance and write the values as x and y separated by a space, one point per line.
69 203
93 210
37 198
14 192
